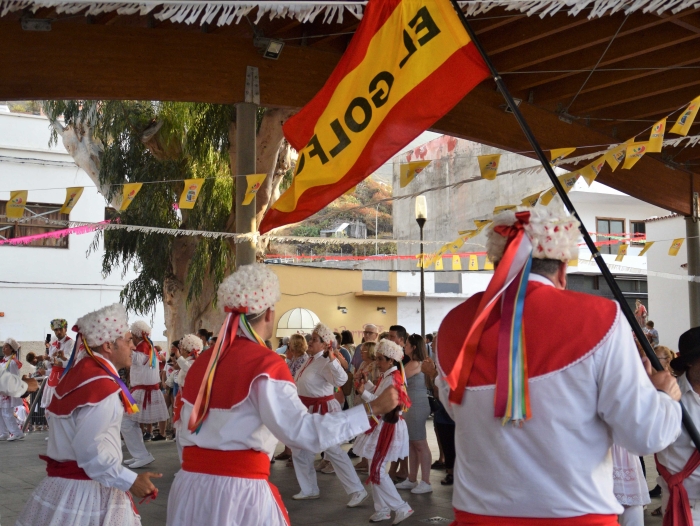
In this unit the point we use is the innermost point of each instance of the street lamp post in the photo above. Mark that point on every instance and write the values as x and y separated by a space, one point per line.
421 217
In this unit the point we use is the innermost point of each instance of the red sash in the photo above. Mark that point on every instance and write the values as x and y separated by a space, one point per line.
245 464
65 470
177 406
55 376
317 405
678 508
462 518
147 396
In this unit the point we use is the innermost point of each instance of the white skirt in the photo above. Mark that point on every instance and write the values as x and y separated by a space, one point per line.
47 395
629 484
156 411
365 445
62 502
198 499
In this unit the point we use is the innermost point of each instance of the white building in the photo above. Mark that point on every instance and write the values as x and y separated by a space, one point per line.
50 278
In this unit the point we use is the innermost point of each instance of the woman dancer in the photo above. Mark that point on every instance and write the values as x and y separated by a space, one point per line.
9 428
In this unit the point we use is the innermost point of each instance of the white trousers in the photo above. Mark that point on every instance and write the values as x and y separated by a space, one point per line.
306 473
386 496
632 516
133 438
8 422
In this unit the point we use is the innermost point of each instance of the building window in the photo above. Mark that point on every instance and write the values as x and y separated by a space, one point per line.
35 222
605 227
638 231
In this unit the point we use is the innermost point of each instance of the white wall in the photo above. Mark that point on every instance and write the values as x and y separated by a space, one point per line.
38 284
408 311
668 297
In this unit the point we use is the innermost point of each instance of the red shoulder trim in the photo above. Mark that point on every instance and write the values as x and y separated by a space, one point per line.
243 363
561 327
85 384
143 347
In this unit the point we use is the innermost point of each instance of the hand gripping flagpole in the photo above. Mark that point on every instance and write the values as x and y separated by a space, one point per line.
626 310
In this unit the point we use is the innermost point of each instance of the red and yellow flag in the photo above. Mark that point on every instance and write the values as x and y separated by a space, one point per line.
407 65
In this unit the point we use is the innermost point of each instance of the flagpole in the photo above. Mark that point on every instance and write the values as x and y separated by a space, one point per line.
617 293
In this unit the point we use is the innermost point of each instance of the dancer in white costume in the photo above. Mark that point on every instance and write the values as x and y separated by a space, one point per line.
86 483
630 486
387 441
57 354
9 426
190 347
315 385
144 377
229 428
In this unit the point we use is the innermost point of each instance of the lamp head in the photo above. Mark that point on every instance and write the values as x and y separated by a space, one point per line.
421 208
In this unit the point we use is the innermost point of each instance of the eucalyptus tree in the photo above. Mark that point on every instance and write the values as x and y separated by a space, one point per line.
161 144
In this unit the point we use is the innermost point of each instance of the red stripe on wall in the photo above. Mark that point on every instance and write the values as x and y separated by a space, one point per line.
299 129
428 102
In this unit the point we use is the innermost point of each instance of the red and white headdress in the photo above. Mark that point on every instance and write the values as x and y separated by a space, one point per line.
104 325
324 332
191 342
140 328
390 350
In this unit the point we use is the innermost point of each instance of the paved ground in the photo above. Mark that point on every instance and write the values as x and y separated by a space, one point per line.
22 470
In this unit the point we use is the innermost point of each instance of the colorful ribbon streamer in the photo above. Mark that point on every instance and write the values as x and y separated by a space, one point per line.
152 355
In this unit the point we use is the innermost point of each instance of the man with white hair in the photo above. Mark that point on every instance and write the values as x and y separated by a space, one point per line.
316 381
144 378
283 348
513 355
86 483
239 400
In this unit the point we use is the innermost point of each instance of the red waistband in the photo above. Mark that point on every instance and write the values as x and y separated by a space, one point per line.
317 404
154 387
246 463
462 518
65 470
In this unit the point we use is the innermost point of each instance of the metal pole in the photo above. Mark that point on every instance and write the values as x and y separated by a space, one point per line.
421 222
246 113
692 231
36 400
605 271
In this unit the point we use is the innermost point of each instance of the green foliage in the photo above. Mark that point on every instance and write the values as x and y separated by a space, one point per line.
195 141
307 231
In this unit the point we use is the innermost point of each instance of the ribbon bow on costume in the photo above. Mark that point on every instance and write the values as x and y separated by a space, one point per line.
509 283
152 354
235 321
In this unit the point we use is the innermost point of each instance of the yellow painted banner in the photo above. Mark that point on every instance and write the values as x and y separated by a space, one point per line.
456 245
567 181
647 246
456 262
573 263
621 251
438 263
408 171
473 262
531 200
656 137
614 156
481 224
129 192
685 121
15 206
590 172
72 196
421 260
503 208
254 181
676 246
634 152
190 193
487 264
560 153
488 165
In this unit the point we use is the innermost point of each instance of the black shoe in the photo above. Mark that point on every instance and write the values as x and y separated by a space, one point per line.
656 492
448 480
352 454
147 437
157 438
437 465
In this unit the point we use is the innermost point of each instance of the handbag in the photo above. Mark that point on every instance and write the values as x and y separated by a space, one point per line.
348 386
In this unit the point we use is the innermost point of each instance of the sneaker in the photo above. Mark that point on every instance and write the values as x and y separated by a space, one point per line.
129 462
352 454
357 498
302 496
142 462
655 493
283 456
448 480
12 437
157 438
329 469
402 516
422 487
379 516
4 436
406 484
147 437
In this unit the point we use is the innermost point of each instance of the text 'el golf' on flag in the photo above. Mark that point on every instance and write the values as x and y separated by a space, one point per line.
407 65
